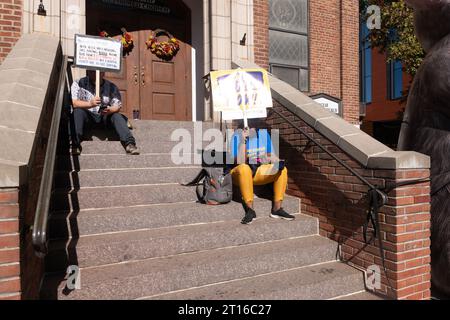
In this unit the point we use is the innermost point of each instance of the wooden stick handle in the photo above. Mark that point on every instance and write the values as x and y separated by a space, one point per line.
245 120
97 83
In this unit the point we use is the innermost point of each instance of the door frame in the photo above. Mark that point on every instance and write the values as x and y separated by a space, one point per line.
183 15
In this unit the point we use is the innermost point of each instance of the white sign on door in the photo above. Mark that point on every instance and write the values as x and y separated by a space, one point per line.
98 53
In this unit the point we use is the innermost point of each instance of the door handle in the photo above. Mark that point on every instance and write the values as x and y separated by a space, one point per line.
136 76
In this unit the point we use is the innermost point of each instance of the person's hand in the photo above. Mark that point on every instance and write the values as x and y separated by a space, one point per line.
110 110
273 158
95 101
107 111
245 133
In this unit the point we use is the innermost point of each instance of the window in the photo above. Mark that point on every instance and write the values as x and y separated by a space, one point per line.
288 42
365 53
395 80
394 72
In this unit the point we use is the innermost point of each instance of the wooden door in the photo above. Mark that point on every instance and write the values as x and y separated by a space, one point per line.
166 86
160 90
128 81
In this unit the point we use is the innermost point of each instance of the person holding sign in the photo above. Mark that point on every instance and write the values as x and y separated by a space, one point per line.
255 164
103 109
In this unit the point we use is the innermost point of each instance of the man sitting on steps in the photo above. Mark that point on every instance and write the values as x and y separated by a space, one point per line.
89 109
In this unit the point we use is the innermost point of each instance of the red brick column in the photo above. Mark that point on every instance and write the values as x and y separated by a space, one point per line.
10 25
324 47
261 32
339 200
406 224
350 60
334 52
10 287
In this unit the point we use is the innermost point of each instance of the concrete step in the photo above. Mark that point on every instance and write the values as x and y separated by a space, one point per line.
128 176
98 221
119 161
153 129
318 282
127 246
116 148
73 200
147 146
160 126
121 196
161 275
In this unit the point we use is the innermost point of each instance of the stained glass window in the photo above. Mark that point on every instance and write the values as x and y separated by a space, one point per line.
289 48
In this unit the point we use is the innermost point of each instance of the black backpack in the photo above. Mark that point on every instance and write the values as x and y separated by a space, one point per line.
214 187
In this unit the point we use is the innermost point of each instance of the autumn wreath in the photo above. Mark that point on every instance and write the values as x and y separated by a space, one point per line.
127 41
165 50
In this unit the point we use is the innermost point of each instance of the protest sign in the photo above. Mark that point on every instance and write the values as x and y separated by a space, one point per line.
98 53
241 93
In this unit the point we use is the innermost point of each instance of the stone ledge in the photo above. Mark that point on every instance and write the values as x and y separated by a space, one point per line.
369 152
12 173
24 79
400 160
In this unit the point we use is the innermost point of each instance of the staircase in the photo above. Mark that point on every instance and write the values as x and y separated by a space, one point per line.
136 233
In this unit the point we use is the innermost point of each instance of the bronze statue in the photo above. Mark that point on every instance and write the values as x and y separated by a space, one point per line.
426 126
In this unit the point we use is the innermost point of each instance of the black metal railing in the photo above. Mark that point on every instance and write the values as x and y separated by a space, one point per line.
377 196
40 227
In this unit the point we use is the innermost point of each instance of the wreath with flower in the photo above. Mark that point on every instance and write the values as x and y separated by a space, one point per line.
127 41
165 50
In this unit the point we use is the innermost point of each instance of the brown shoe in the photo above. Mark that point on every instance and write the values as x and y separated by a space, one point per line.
132 149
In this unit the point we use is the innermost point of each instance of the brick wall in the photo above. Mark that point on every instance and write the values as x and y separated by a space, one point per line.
9 245
10 25
338 199
325 47
261 30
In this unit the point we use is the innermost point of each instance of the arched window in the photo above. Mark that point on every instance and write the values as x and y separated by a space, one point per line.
289 45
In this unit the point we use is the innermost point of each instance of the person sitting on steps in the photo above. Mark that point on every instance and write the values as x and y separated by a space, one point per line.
88 109
255 164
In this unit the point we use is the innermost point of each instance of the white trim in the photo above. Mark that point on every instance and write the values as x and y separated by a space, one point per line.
194 85
348 295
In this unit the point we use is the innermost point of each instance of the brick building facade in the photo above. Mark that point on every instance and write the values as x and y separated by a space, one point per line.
384 113
10 25
333 39
332 42
227 30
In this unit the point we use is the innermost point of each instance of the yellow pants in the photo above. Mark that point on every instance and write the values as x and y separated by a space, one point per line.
243 178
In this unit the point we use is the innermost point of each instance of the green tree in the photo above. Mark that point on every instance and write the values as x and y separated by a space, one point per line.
396 37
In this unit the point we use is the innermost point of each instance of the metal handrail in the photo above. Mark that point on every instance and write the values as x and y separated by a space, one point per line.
377 197
39 237
324 149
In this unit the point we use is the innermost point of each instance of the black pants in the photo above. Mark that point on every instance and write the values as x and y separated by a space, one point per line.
83 117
